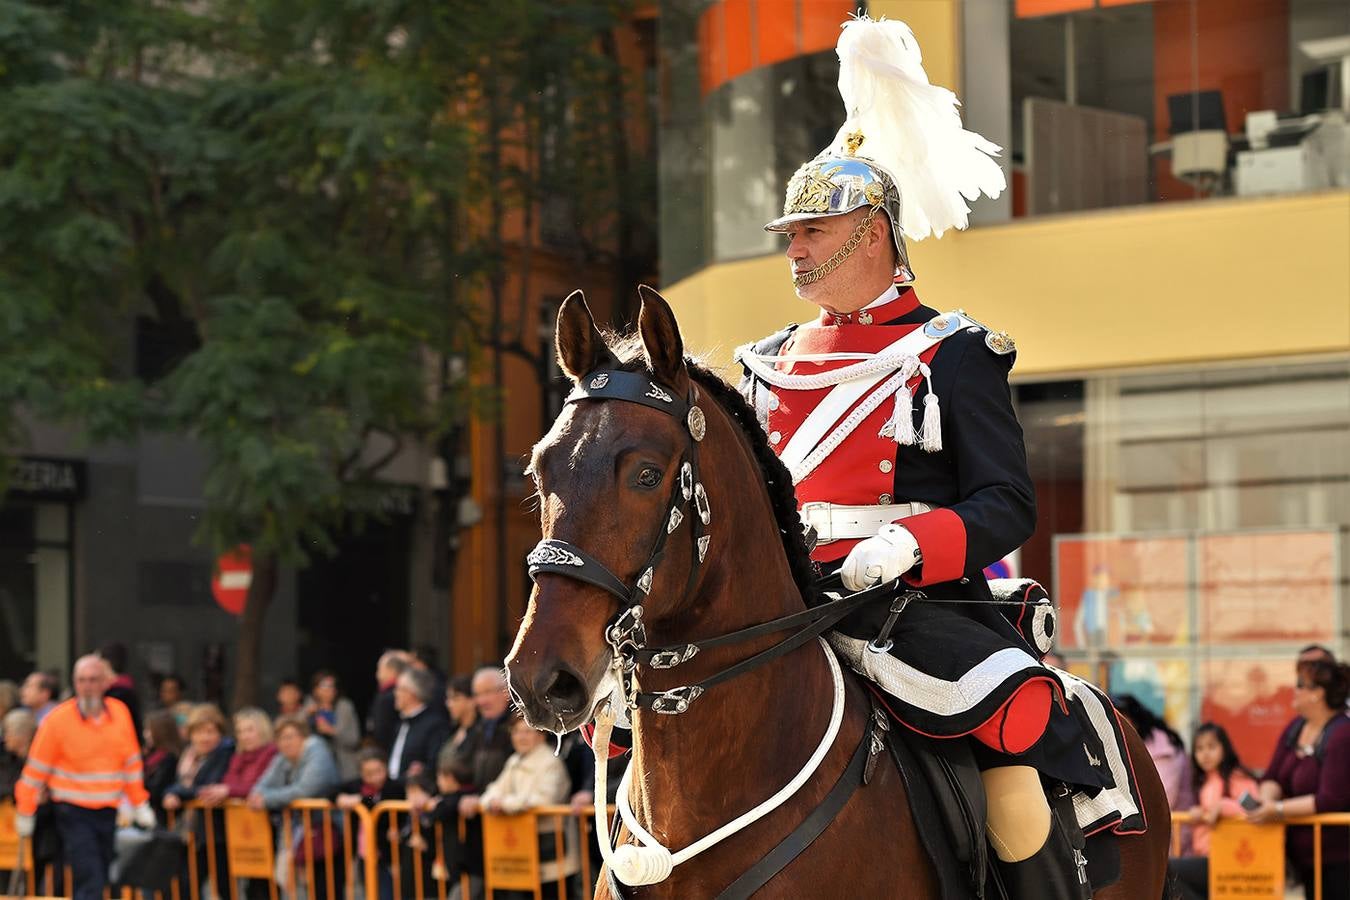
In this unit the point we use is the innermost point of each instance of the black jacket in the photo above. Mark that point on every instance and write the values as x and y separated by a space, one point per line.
426 732
383 721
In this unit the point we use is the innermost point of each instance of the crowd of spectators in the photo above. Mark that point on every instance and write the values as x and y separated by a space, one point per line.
1308 772
452 747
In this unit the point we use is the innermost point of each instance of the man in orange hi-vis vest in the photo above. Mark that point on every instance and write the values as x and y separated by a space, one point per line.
84 758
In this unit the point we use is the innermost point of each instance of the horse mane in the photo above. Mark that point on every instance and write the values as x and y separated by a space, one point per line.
777 481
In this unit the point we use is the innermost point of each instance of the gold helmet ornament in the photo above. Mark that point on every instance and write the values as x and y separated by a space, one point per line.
902 149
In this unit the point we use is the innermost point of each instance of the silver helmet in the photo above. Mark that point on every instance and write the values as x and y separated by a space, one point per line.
834 185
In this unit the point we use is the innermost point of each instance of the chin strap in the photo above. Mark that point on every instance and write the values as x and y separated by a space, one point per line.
650 862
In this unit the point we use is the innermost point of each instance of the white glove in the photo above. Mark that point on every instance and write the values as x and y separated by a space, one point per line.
886 557
23 826
144 816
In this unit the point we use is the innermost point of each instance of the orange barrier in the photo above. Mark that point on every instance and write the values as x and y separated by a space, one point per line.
1318 822
330 851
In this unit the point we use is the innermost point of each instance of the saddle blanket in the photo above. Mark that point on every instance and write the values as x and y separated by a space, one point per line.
1098 738
1118 805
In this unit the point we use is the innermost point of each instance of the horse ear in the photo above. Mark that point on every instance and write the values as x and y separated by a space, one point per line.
661 342
578 342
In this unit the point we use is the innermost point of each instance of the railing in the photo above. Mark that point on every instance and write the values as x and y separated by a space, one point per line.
332 852
1317 822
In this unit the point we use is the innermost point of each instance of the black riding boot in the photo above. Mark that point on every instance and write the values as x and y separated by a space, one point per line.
1056 872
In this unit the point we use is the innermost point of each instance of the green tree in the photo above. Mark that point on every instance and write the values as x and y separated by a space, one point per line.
289 192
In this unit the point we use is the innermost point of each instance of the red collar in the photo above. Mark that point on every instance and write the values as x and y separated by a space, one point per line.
906 303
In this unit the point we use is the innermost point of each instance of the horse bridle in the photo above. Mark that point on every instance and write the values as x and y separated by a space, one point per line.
625 633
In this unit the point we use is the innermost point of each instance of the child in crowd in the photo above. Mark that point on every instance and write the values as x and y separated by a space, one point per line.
1222 780
374 786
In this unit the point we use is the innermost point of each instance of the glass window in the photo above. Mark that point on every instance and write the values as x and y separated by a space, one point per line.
1193 525
1120 102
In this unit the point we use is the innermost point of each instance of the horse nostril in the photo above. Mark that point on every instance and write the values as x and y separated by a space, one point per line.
564 691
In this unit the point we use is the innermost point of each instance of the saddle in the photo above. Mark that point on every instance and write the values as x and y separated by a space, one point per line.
947 801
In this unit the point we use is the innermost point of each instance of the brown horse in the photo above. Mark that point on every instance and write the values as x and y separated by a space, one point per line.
605 472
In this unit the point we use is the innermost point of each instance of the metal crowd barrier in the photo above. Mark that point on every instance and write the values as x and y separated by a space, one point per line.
1318 822
341 856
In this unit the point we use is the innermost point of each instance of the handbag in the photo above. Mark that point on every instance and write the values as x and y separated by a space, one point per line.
147 859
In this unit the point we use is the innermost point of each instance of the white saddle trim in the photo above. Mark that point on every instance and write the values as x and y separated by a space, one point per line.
840 522
644 838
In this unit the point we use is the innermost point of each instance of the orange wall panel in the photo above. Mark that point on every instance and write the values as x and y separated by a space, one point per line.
777 30
738 38
1027 9
820 24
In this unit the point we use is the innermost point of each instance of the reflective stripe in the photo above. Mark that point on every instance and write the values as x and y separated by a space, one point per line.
86 777
86 796
40 766
32 782
132 760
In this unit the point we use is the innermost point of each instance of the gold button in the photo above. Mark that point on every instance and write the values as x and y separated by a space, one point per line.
775 437
884 499
886 465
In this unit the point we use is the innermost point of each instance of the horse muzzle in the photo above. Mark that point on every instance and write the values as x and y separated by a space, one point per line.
553 694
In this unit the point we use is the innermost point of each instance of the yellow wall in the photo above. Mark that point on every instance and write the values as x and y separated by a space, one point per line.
1148 285
937 27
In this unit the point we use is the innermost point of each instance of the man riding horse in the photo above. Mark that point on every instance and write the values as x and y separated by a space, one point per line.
897 425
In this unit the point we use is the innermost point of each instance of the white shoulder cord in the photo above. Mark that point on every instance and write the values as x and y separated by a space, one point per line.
648 862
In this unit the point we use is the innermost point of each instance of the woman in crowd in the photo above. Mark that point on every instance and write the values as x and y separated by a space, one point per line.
463 711
1223 780
163 746
1310 773
1166 748
253 753
333 718
303 769
207 756
203 763
533 777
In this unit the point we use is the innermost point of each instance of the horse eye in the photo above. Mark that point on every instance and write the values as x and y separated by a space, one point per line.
649 477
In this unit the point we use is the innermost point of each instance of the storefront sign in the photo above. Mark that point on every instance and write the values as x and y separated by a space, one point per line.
1247 861
248 841
511 850
47 478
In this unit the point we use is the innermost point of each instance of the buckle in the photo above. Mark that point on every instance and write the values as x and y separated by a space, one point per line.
823 524
669 659
627 630
676 700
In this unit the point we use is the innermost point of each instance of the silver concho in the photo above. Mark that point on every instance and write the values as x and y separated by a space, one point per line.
676 517
545 554
599 381
687 480
645 582
701 501
703 543
698 425
657 394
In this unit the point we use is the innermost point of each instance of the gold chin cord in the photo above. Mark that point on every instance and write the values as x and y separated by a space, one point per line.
840 255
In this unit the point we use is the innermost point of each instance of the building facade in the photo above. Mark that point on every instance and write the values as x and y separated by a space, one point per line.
1172 258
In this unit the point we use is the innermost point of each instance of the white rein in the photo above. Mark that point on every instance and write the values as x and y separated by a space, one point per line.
648 861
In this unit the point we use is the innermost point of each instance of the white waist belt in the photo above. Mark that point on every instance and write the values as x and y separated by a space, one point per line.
838 522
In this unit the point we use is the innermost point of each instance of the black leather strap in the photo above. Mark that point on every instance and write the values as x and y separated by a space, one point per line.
615 384
810 828
830 614
567 559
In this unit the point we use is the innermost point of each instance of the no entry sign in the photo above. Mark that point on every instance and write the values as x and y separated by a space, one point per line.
232 576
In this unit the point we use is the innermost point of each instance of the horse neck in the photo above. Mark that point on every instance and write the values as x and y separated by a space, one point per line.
744 738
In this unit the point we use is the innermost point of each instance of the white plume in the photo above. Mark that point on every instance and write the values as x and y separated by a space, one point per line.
911 128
